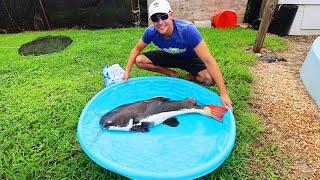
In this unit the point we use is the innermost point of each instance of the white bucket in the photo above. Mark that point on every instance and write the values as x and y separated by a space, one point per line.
310 71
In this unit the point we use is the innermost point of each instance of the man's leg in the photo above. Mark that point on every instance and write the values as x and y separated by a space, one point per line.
202 77
144 62
198 72
205 78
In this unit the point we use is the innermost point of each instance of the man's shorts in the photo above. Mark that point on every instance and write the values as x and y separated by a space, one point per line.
161 58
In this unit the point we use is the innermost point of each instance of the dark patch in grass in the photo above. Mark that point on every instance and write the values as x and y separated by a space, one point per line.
45 45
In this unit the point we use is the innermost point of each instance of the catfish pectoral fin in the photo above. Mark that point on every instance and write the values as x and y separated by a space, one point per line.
139 129
135 121
172 122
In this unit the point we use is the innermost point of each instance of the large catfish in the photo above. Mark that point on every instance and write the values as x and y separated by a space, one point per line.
141 115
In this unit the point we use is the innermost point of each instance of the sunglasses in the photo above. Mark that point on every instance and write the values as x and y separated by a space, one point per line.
156 18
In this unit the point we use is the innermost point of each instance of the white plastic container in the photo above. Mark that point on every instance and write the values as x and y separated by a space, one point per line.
310 71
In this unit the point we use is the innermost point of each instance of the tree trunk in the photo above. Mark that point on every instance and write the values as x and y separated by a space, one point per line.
265 22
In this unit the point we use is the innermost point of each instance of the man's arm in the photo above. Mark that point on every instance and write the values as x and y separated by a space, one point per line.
140 45
204 54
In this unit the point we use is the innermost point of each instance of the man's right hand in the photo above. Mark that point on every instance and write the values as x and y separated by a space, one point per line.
140 45
125 76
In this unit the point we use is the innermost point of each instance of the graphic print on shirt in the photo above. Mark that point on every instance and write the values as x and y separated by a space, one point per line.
174 50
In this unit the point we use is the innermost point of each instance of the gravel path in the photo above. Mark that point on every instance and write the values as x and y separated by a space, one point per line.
292 117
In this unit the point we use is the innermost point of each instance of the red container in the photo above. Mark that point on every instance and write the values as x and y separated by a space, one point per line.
225 19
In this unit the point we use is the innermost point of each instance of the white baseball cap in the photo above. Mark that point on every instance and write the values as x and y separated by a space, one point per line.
159 6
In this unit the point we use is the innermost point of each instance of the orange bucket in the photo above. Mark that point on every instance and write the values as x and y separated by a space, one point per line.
225 19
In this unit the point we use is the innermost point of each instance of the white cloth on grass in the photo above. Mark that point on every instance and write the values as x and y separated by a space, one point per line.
112 74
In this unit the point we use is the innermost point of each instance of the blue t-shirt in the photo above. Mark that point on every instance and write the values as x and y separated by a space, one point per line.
184 39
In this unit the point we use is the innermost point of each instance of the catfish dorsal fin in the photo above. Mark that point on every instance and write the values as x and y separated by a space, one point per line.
191 100
159 98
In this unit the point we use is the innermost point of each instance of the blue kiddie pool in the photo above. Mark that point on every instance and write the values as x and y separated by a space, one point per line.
195 148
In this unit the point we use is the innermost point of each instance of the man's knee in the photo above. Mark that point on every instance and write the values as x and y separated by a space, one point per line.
205 78
139 60
208 81
142 60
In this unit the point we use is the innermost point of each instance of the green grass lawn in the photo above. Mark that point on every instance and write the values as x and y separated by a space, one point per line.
41 98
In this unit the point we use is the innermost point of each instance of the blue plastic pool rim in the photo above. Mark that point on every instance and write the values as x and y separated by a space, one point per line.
133 173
